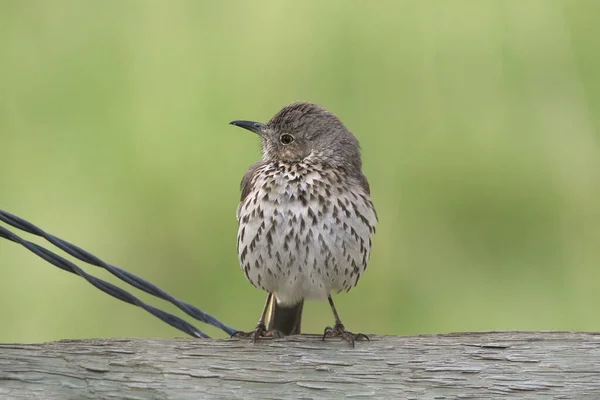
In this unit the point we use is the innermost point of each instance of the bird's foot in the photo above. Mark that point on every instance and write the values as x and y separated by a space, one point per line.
260 331
340 330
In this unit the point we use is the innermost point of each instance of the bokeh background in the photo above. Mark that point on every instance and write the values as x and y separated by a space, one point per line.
478 121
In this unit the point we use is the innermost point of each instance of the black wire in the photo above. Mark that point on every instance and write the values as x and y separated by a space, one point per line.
106 287
128 277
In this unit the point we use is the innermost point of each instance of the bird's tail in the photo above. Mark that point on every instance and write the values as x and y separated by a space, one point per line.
285 319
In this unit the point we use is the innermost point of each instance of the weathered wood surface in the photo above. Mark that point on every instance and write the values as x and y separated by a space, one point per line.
492 365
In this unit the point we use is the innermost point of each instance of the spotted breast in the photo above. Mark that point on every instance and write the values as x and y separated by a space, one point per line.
305 230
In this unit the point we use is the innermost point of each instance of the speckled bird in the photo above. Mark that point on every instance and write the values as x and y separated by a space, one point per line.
306 219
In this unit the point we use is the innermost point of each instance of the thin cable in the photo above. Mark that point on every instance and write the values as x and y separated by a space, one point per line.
128 277
106 287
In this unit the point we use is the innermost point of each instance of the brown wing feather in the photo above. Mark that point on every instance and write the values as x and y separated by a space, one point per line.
246 184
362 180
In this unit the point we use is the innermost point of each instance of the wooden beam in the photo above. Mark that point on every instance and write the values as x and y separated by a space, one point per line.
489 365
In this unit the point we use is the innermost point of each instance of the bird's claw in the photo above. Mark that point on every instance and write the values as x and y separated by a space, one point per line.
340 330
260 331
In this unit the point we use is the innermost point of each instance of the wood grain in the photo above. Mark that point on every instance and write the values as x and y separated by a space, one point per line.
489 365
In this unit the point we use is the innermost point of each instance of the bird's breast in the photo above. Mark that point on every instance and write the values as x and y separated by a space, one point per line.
304 232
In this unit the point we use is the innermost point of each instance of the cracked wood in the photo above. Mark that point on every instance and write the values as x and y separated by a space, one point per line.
491 365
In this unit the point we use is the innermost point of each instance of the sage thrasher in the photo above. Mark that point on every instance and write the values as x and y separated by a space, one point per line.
306 220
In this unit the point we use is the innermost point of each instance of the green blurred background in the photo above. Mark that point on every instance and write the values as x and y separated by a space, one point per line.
478 121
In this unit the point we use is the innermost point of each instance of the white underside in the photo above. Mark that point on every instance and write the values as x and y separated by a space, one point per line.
326 261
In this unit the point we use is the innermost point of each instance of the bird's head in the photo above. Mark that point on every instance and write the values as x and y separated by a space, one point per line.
306 132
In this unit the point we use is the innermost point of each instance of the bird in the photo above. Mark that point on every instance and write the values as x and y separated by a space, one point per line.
305 219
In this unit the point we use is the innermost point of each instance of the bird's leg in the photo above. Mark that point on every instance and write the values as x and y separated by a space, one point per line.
339 329
261 329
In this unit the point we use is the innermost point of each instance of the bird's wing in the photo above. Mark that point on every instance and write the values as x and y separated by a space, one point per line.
246 184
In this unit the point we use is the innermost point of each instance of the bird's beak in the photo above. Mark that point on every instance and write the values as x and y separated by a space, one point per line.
255 127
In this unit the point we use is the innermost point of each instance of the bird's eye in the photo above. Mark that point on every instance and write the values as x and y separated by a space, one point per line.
286 139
